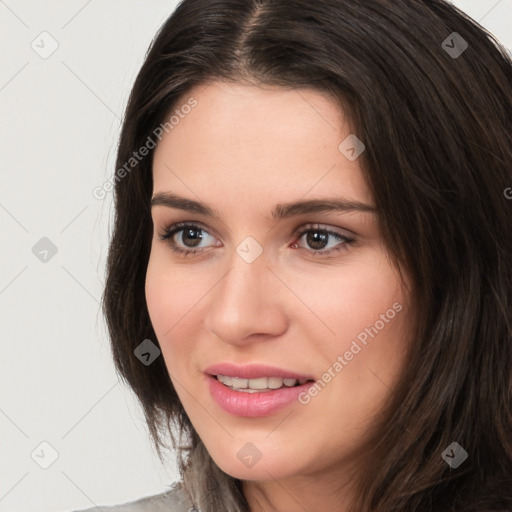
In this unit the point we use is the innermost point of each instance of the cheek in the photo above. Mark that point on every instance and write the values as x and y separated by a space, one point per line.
158 294
174 304
166 297
339 302
361 312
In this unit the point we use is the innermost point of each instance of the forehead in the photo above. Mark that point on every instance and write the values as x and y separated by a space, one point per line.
250 140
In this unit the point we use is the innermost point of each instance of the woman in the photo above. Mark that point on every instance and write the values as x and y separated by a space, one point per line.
310 276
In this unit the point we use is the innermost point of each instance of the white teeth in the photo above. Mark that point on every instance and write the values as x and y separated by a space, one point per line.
275 382
259 384
239 383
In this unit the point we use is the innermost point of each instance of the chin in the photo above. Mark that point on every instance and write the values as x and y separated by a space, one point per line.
261 471
238 464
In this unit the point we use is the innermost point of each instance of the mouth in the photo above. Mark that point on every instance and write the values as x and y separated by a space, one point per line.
255 390
260 384
256 397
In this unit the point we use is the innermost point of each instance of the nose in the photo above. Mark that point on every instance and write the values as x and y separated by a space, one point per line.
247 304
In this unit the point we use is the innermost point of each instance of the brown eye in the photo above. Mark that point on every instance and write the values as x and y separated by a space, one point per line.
317 239
189 236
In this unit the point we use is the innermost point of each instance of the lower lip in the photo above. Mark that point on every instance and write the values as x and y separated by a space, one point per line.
253 405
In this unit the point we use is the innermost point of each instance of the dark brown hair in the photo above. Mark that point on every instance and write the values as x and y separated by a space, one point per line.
438 160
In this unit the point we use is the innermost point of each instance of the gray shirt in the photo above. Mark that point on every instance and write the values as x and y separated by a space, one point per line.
173 500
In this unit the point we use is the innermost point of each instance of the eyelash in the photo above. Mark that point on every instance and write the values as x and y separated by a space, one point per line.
172 229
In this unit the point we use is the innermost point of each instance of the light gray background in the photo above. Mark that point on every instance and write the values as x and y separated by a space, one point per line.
59 128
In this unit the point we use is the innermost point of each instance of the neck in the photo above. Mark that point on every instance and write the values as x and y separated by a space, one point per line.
300 493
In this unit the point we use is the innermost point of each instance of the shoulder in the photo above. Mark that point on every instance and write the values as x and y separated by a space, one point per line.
173 500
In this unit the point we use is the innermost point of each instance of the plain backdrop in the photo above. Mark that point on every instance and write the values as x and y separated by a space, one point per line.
71 435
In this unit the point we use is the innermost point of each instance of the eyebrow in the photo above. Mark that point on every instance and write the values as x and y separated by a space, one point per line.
280 211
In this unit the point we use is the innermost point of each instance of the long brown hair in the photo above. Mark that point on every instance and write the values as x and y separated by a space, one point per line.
434 110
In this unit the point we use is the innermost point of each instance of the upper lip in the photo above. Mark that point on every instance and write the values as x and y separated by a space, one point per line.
254 371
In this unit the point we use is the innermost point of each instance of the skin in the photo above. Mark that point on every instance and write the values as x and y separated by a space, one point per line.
242 150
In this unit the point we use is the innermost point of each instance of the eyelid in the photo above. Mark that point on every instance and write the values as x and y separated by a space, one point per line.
311 226
169 230
298 231
347 237
345 240
178 226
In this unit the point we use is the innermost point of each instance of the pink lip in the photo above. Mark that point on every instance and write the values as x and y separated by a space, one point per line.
253 371
253 405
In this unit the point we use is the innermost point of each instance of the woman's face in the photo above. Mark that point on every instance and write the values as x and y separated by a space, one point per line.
310 292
